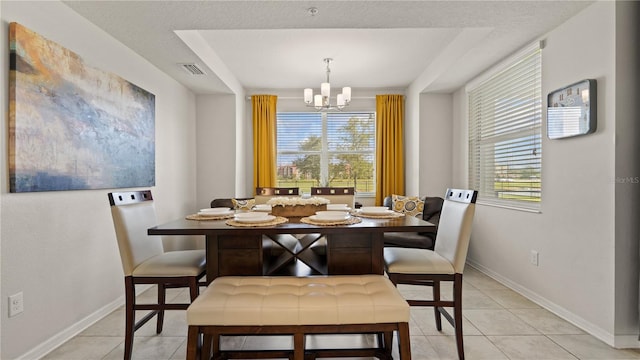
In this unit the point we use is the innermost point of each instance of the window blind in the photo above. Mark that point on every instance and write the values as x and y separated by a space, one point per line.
505 147
326 149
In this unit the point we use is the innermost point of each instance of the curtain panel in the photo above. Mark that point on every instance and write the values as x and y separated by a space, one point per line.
264 140
389 146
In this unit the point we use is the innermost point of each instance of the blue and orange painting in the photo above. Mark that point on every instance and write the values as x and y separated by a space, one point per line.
72 126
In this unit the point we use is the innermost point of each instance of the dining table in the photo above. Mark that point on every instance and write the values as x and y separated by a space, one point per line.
294 245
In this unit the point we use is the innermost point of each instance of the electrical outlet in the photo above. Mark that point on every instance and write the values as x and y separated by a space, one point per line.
534 257
16 304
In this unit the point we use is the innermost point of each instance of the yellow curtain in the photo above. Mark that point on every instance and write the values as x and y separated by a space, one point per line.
264 140
389 146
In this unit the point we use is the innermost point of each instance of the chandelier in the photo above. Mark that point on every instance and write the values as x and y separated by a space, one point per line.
322 101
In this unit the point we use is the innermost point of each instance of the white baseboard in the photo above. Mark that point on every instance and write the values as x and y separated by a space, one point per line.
67 334
620 341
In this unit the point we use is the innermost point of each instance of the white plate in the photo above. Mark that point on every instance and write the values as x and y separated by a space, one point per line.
253 217
262 208
215 210
216 213
338 207
332 213
330 216
327 218
375 210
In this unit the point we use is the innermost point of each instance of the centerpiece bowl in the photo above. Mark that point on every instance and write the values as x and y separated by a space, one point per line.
297 206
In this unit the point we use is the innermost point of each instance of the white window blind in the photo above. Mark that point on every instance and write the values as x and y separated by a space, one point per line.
326 149
505 149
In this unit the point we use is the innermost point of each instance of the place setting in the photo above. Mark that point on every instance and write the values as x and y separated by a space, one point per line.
330 217
377 212
262 208
338 207
255 218
216 213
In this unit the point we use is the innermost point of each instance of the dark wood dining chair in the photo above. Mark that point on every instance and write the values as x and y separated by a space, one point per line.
144 261
444 263
277 191
336 195
263 194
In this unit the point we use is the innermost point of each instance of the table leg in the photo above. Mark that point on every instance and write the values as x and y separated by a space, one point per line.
211 249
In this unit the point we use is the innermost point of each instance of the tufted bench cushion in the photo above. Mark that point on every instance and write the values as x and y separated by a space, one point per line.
348 299
299 306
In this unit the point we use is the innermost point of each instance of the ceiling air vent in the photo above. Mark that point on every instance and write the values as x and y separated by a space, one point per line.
193 69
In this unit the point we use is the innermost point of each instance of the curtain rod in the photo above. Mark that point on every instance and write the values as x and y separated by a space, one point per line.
302 98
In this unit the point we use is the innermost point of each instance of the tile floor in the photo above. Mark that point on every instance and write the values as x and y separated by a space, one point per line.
498 324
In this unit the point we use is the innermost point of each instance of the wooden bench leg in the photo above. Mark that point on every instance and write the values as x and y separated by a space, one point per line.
209 342
298 346
404 341
388 344
192 343
380 341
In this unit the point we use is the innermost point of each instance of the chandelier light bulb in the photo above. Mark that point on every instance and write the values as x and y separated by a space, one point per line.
308 95
346 92
325 89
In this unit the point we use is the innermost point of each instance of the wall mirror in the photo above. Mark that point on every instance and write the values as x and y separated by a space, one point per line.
571 110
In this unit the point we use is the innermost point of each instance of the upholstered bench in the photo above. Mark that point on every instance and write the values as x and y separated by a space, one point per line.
298 306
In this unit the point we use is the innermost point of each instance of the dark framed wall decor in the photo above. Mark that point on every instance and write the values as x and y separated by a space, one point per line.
571 110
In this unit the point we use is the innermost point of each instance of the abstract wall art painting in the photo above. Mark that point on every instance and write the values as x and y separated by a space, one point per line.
72 126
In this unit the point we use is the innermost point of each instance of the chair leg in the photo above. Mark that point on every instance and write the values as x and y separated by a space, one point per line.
162 294
193 346
130 316
436 298
404 341
194 290
457 313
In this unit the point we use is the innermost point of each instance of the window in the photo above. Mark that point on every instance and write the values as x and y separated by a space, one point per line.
326 149
505 147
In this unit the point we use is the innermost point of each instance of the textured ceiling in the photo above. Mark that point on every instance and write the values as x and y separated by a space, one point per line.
278 44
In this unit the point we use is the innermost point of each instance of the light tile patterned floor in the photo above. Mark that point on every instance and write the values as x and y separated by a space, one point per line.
498 324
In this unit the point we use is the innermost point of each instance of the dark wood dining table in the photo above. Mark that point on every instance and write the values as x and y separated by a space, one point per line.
294 247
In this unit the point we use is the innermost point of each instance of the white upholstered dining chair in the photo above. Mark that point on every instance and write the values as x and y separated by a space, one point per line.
144 261
444 263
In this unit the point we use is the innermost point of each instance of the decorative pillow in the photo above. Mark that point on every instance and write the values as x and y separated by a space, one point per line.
409 205
243 204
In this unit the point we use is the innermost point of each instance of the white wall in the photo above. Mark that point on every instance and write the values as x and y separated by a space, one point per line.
59 248
435 144
459 141
412 142
627 179
194 40
575 233
216 155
